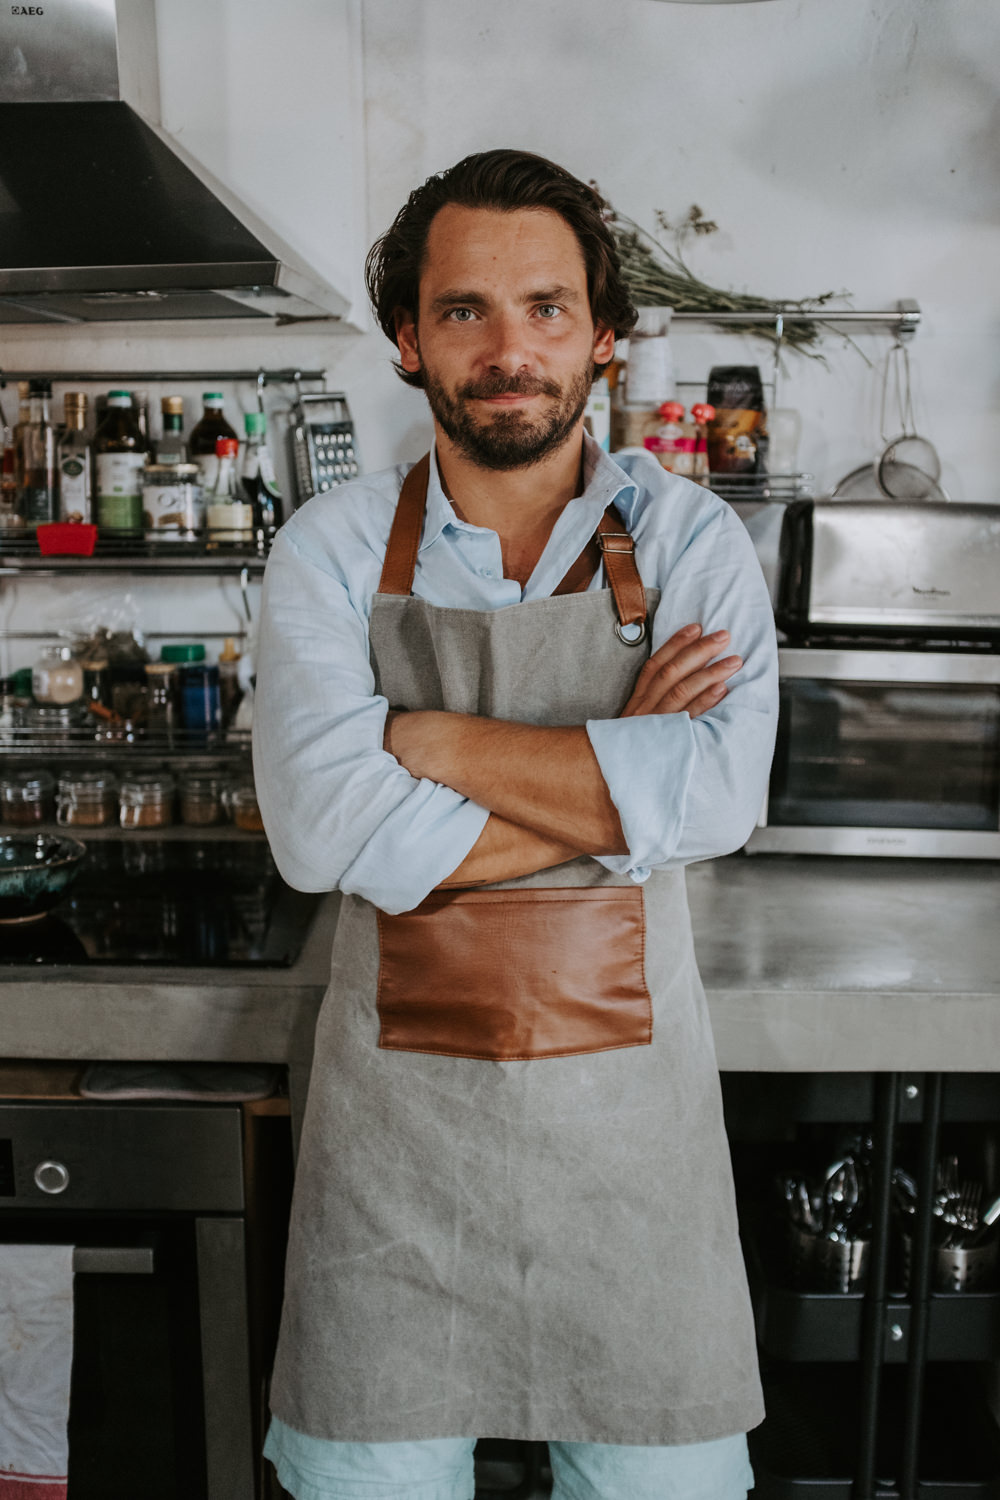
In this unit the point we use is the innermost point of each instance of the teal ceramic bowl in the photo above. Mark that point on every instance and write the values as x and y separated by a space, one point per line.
35 870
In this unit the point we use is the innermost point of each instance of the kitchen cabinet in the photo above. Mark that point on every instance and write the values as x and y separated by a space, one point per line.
883 1391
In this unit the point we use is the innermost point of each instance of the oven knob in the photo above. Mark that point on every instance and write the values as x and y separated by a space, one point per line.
51 1177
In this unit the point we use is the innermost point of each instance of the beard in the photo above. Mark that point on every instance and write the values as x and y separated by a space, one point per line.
509 439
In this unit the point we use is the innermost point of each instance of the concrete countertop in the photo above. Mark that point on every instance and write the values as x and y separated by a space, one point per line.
809 964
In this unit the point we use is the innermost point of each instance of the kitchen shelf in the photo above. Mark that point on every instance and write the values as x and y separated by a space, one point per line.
173 833
20 554
96 740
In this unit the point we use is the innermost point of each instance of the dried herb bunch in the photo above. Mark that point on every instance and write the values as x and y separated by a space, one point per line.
660 277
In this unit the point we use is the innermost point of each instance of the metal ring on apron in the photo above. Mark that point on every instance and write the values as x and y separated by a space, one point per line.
630 639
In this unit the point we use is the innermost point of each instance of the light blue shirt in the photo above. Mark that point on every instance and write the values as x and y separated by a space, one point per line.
341 813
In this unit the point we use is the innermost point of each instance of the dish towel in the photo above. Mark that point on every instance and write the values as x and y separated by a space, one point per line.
36 1353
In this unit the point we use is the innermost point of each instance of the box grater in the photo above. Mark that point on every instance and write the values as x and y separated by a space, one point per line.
324 452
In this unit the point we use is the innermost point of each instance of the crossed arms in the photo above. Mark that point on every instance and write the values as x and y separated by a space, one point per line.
547 799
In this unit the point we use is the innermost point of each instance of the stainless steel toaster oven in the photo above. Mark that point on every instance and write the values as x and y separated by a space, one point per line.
892 752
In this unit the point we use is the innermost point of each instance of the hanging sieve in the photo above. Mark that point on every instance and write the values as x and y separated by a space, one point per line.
908 467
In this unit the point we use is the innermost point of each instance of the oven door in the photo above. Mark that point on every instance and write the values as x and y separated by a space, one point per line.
885 752
151 1197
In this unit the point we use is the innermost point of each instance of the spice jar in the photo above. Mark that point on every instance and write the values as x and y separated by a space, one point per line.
57 676
96 681
241 804
202 798
86 799
28 796
146 800
162 699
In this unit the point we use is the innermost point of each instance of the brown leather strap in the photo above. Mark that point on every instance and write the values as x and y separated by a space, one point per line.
582 571
407 529
622 574
611 541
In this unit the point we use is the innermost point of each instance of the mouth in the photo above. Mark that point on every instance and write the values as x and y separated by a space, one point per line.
513 399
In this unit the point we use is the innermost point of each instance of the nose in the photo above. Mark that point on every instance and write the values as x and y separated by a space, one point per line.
507 346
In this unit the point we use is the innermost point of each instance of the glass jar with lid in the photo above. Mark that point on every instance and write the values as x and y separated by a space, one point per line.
202 797
28 796
86 799
146 800
57 676
241 804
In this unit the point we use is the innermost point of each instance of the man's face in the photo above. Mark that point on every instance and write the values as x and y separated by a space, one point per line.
504 336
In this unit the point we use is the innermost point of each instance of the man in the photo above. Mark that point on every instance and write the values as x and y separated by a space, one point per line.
513 1214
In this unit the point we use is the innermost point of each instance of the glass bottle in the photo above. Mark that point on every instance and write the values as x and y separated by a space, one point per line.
205 433
228 517
119 459
171 448
229 687
35 455
73 460
11 518
258 480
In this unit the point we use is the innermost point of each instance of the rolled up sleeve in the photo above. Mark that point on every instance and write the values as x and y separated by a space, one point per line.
690 789
339 811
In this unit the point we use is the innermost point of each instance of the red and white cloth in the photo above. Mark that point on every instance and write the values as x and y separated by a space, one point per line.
36 1354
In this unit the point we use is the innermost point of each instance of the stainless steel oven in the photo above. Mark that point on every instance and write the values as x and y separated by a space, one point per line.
152 1198
893 752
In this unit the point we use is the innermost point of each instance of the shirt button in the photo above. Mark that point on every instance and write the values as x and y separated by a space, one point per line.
488 572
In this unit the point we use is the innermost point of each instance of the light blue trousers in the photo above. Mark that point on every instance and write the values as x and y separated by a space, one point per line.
441 1469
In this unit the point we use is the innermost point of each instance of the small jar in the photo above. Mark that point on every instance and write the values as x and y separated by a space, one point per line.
202 798
86 799
96 681
241 804
28 797
172 502
146 800
162 699
57 676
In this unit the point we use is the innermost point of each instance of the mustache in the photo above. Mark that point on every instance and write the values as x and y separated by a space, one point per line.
509 385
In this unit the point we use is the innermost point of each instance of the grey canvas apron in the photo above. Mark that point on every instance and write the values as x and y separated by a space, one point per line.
514 1213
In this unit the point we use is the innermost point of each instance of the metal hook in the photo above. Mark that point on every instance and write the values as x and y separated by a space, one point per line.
261 383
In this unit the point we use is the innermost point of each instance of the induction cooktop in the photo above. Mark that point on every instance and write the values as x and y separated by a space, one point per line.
141 901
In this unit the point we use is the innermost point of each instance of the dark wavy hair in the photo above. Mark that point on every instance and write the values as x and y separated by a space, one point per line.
503 181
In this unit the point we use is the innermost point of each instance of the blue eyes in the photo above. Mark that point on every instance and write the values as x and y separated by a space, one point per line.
547 311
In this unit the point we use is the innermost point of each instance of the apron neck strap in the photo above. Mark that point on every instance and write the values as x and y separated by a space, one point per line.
611 543
407 529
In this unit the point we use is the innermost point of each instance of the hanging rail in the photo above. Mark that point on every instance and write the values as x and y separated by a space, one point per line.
904 319
288 376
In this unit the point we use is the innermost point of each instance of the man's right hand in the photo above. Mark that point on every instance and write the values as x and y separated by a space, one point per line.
682 677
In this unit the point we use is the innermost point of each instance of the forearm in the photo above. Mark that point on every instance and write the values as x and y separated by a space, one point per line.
542 779
503 851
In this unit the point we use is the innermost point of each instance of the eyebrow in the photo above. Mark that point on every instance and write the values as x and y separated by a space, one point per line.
456 297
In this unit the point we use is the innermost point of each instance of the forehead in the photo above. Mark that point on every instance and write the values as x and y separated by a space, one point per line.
484 247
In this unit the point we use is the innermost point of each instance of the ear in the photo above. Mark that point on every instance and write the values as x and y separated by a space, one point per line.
604 345
406 341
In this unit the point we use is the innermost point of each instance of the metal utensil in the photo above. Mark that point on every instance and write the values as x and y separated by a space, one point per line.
908 467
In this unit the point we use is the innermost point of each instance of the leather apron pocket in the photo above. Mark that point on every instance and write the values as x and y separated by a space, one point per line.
508 975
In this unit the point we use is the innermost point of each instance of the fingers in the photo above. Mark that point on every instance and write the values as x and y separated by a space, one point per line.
683 672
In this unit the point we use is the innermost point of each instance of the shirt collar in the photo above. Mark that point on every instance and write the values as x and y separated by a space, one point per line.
603 483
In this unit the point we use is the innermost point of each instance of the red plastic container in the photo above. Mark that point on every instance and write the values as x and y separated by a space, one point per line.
75 537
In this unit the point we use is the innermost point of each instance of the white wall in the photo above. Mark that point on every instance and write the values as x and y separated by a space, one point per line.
838 143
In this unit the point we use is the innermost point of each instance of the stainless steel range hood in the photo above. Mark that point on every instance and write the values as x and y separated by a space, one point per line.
103 218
